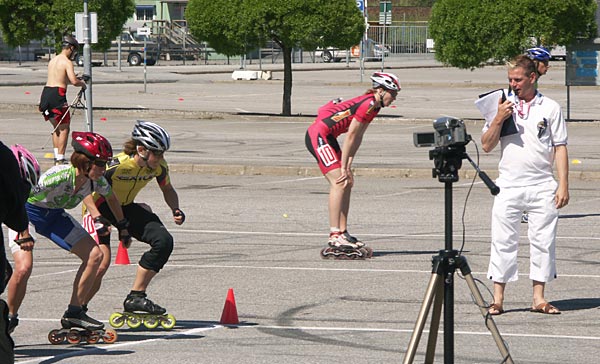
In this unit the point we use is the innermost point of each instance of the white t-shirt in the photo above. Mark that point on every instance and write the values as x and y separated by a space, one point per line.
528 156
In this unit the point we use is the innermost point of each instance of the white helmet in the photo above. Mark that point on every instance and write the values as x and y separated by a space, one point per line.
389 81
151 136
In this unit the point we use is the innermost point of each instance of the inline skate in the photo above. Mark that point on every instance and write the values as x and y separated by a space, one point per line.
138 310
342 245
78 327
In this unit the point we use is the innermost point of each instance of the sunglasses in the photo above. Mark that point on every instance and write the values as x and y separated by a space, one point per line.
100 163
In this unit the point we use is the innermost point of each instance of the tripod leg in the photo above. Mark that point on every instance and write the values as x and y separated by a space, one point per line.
435 282
434 324
489 321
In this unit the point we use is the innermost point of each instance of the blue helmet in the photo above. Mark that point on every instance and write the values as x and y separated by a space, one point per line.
538 54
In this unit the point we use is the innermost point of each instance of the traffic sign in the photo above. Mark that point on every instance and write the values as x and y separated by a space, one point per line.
143 31
385 12
361 5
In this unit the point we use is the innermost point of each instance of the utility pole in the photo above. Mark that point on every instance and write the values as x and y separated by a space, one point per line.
87 65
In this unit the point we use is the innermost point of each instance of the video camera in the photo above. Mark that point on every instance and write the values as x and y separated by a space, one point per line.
448 132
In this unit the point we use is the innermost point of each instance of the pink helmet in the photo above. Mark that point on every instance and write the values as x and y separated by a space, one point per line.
93 145
389 81
28 165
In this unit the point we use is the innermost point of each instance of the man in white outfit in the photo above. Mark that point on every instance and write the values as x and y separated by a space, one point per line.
527 183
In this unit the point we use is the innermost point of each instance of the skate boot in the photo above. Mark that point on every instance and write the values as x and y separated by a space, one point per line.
358 243
339 247
138 310
78 327
13 322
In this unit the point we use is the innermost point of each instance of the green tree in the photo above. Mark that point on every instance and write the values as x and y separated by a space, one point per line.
469 33
232 27
25 20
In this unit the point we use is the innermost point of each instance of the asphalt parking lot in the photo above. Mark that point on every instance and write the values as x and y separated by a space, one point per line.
256 221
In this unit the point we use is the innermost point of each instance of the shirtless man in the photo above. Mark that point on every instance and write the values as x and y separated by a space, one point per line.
53 102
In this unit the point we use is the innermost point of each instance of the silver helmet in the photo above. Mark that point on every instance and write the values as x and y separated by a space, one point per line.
152 136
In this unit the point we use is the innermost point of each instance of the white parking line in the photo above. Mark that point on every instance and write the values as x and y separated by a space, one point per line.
112 347
472 333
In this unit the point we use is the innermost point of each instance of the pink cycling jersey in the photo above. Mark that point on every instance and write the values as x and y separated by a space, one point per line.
333 119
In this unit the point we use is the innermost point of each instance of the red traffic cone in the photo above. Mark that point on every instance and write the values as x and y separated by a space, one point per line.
229 315
122 255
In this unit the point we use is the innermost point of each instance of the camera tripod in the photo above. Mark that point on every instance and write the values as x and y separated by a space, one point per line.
440 290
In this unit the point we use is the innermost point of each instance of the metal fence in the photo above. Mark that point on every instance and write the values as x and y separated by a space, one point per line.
401 38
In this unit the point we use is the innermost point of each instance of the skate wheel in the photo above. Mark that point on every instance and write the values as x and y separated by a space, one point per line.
55 337
168 322
116 320
134 322
327 253
151 322
366 252
73 337
110 336
92 338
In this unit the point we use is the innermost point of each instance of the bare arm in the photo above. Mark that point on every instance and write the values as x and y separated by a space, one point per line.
491 137
351 144
562 171
70 70
172 200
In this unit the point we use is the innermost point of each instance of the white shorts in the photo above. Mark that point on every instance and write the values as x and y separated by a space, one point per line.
14 247
508 208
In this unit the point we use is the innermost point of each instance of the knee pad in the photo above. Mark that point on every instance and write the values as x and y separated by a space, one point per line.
161 246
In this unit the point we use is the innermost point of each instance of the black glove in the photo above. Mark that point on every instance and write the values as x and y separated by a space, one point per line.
178 212
24 240
101 224
124 237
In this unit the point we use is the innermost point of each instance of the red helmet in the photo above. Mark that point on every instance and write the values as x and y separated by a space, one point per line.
93 145
28 165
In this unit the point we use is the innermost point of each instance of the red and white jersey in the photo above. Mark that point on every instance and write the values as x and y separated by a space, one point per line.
337 116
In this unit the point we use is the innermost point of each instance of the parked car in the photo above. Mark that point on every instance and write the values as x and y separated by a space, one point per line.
132 46
373 51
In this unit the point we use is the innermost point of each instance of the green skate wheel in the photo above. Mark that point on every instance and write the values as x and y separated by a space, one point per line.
151 322
168 322
55 337
116 320
134 321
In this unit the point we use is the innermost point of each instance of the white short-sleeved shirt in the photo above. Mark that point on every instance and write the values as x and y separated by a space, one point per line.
528 156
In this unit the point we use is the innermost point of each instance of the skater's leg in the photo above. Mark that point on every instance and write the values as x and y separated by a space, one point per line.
339 194
17 286
102 269
91 257
7 351
142 279
88 251
60 138
345 209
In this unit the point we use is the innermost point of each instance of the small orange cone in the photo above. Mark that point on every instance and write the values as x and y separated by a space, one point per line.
229 315
122 255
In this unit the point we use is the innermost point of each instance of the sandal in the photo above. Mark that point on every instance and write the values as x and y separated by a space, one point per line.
495 309
545 308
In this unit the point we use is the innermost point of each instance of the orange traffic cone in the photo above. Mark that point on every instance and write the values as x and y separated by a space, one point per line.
229 315
122 255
